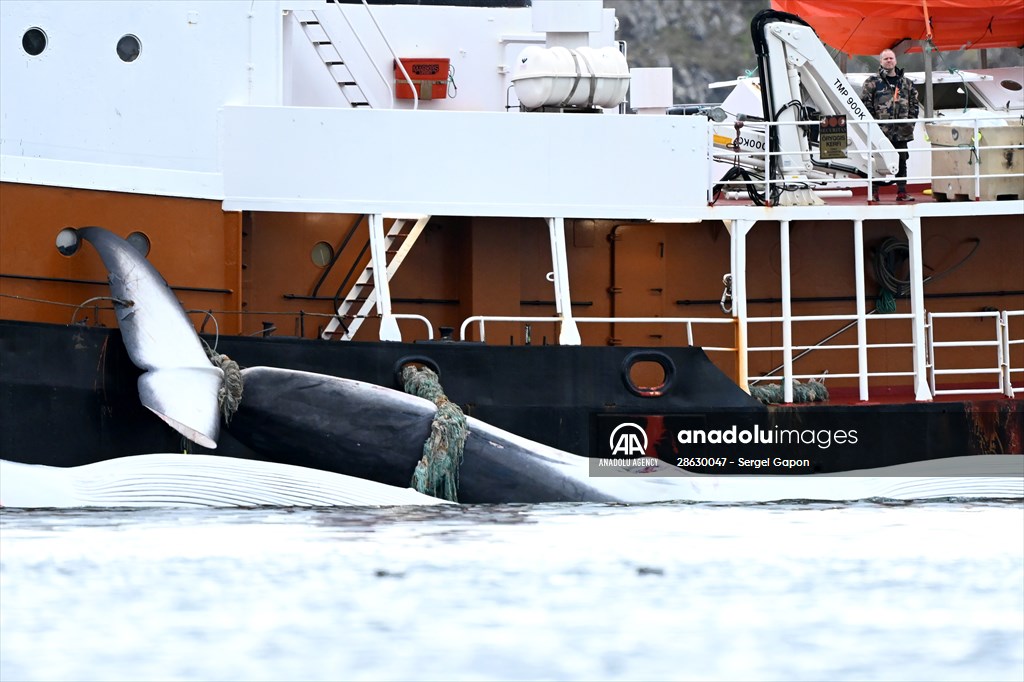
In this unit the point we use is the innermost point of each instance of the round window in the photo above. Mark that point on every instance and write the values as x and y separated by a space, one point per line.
128 48
140 242
68 241
322 254
34 41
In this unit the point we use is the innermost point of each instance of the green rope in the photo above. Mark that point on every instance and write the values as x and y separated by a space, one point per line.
437 473
812 391
889 258
886 301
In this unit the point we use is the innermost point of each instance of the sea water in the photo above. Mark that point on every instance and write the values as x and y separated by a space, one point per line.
794 591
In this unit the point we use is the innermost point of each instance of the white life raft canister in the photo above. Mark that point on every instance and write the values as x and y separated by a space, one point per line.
563 77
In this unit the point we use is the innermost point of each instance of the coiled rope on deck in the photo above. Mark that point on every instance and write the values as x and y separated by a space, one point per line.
891 255
437 473
809 392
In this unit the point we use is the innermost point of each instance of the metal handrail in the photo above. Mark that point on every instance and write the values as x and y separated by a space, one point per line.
481 320
366 51
725 156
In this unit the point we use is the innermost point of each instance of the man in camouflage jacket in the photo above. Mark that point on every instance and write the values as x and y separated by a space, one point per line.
891 95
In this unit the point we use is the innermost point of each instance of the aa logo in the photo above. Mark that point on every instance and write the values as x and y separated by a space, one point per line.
628 440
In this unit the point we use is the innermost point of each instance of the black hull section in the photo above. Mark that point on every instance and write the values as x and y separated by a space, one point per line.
68 396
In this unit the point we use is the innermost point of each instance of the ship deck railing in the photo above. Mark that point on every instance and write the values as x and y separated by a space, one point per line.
975 185
1001 341
481 324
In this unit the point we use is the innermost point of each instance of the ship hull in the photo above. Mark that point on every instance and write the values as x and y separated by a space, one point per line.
68 397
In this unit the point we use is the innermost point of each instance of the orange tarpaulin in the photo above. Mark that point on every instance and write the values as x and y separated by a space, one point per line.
866 27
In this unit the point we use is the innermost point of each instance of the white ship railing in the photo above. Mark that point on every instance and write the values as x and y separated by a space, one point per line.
998 342
1010 340
822 182
1001 341
862 372
481 322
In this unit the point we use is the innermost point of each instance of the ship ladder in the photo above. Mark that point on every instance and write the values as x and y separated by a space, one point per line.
387 251
331 57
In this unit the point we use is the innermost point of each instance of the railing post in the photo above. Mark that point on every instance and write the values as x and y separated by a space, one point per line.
930 328
976 153
912 228
768 164
1003 334
738 262
862 316
870 164
787 313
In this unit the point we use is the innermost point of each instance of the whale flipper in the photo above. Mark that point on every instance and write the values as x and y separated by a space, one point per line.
179 383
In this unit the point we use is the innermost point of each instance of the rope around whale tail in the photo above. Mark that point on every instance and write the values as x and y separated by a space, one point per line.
437 472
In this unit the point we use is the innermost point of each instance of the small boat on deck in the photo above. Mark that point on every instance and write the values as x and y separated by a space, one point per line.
623 303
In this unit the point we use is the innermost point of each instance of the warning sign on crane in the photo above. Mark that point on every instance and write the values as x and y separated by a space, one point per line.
832 136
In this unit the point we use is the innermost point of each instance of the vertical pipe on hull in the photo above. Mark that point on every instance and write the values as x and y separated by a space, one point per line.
568 335
912 228
388 324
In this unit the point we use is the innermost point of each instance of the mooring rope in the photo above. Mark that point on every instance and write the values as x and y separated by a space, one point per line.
229 395
437 472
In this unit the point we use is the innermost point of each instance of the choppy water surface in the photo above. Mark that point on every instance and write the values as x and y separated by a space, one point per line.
648 592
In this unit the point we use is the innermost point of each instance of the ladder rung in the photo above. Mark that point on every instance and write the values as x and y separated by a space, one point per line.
309 22
334 62
320 42
360 104
346 83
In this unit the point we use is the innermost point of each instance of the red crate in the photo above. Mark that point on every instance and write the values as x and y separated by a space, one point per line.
428 76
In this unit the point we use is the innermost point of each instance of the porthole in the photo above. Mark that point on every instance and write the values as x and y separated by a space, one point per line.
140 242
34 41
68 241
128 48
322 254
1011 85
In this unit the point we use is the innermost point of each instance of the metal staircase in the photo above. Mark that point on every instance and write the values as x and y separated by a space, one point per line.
387 251
331 57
